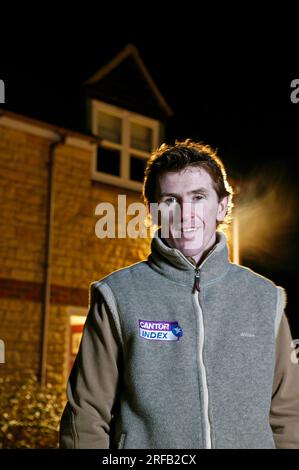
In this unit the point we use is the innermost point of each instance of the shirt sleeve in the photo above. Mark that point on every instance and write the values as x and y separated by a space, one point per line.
284 412
92 388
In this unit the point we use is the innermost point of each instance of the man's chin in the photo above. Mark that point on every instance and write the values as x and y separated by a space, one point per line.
187 247
189 250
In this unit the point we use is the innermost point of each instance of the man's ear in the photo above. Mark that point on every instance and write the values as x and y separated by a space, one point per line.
222 209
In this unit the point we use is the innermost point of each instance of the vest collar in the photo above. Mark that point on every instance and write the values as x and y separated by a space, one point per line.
171 262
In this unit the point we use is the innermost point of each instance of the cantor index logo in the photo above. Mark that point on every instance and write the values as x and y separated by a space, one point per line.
160 330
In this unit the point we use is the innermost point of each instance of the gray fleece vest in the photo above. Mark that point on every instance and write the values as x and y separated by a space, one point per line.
198 357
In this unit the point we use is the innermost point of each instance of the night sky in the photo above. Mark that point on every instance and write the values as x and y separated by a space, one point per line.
231 93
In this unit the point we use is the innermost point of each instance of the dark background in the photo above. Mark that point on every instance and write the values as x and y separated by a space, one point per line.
228 87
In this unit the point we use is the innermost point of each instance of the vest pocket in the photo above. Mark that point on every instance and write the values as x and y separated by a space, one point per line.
121 441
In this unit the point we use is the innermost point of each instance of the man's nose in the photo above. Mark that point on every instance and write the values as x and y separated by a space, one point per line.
187 211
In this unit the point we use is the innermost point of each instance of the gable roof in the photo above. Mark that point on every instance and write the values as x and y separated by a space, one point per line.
126 82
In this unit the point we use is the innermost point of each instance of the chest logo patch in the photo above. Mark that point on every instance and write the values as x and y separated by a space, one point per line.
160 330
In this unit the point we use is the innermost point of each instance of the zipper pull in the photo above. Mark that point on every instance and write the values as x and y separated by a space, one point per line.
197 278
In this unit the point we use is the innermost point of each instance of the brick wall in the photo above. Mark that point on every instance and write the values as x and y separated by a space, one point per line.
79 257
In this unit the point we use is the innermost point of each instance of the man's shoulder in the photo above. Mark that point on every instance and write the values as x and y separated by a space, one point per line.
251 276
135 269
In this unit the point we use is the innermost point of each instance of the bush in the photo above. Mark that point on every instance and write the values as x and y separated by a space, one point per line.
30 414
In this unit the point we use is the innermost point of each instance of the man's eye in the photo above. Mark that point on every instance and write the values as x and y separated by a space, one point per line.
198 197
170 200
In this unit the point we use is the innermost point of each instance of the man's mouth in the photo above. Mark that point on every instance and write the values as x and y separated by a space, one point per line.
189 229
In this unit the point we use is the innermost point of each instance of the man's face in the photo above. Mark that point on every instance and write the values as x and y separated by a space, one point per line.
189 204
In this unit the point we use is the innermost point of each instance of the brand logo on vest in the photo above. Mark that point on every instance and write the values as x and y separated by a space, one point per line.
160 330
247 335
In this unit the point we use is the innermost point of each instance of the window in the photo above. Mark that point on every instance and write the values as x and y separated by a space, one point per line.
137 167
141 137
75 335
108 160
109 127
127 142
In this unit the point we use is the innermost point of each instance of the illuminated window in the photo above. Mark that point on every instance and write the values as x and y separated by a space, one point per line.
141 137
109 127
127 142
76 331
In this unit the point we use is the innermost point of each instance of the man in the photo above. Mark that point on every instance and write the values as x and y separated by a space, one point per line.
185 349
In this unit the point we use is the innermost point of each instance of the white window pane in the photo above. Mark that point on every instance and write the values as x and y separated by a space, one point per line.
141 137
109 127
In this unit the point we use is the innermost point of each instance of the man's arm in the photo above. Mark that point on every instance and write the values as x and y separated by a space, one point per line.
284 413
93 383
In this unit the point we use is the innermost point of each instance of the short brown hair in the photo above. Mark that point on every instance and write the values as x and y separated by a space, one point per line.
179 156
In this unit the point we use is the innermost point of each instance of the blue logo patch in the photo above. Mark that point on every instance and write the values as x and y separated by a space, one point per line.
176 329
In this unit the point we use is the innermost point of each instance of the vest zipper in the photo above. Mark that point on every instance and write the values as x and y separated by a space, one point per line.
207 424
197 280
202 370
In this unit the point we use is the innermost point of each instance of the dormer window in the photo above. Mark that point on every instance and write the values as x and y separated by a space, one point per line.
127 141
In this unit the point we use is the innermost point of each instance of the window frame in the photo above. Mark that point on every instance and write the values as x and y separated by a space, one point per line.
125 149
71 311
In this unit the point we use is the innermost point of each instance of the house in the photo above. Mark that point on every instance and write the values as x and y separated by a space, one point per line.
53 179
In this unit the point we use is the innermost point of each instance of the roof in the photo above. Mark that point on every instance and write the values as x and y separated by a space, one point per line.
126 82
42 128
